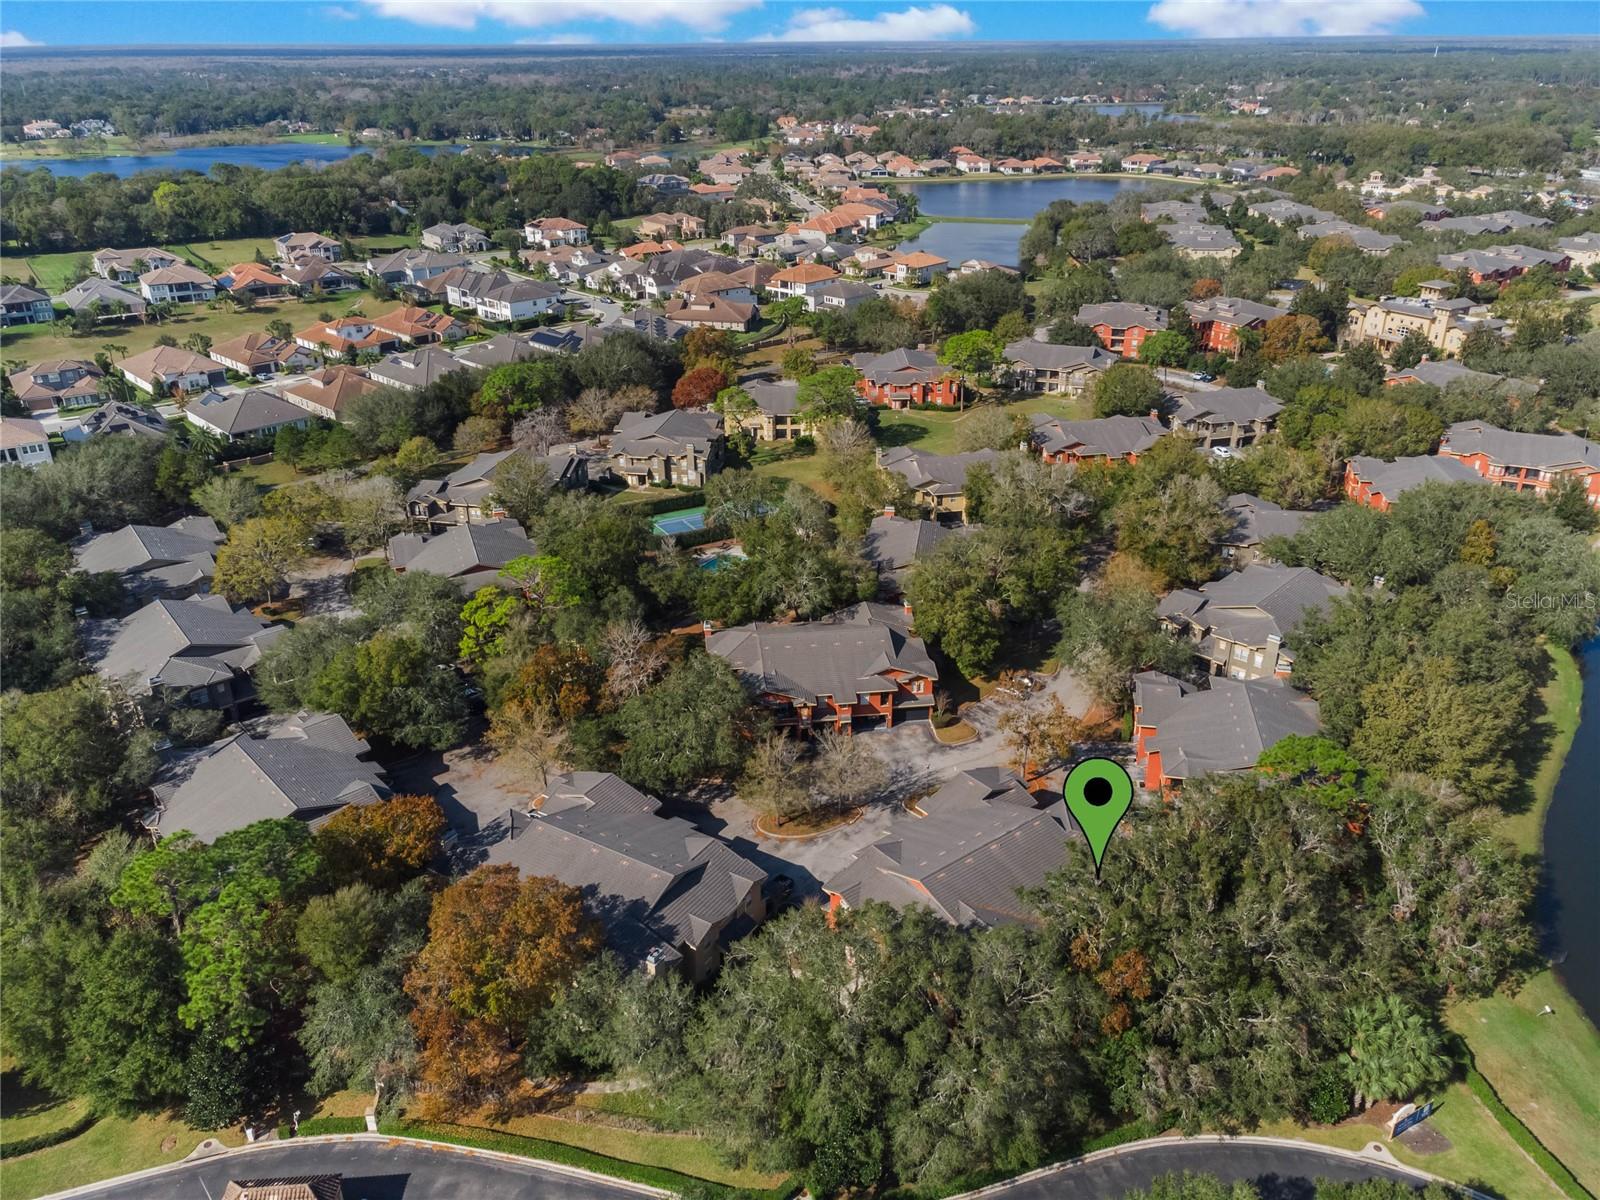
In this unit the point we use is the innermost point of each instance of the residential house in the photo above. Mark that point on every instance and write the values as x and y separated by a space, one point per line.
171 561
419 326
1217 321
505 348
21 305
776 415
115 417
470 555
313 276
680 447
1181 734
716 285
102 297
125 266
1141 163
668 896
1038 366
286 1187
969 853
328 393
938 481
1443 374
1231 417
239 416
902 378
1499 223
919 268
665 225
180 284
801 279
1289 212
838 295
1121 327
713 191
550 232
861 668
1385 322
463 496
460 238
262 355
1525 462
411 267
58 383
1202 241
252 279
23 443
308 767
893 544
1239 624
1380 209
196 652
347 335
1377 483
1501 264
1107 440
1254 520
1178 212
1368 241
711 312
297 247
413 370
1581 251
170 370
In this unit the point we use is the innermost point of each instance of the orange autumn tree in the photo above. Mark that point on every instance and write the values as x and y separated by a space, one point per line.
382 844
498 948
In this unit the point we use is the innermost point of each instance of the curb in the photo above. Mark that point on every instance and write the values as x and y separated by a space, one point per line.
1373 1154
375 1138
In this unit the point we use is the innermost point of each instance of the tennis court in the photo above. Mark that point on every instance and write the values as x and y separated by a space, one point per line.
682 520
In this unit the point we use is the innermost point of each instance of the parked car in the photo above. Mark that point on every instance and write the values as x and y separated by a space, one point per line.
1202 377
1222 452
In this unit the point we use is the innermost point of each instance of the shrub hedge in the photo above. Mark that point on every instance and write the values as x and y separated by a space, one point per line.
53 1137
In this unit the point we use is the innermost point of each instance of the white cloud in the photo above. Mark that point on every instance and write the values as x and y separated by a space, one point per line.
910 25
12 40
1282 18
559 39
338 12
703 16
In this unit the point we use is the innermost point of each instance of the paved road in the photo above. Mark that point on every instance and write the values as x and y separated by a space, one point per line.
1279 1172
372 1171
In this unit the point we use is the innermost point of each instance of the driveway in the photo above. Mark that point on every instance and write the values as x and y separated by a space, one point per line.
322 587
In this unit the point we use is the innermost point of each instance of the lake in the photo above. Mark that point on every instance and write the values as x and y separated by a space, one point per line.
1016 199
1571 894
268 157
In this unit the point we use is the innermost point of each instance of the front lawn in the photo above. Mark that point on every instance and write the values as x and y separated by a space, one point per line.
937 430
112 1146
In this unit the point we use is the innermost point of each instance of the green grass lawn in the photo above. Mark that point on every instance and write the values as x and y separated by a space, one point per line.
1481 1153
780 461
938 431
113 1146
29 1112
314 139
269 475
33 343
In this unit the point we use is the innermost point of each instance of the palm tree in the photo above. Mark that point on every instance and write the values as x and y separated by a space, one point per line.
1394 1051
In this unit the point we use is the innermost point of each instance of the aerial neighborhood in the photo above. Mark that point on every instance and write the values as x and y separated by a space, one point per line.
617 604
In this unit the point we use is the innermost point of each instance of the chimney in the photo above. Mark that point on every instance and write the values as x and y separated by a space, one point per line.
1155 414
888 510
905 606
706 628
1262 384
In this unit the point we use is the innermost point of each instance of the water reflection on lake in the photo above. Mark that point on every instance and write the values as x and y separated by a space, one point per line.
268 157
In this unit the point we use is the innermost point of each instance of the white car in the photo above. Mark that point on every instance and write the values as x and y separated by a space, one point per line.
1222 452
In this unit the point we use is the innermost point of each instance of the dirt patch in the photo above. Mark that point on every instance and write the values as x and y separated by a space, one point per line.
169 1143
1424 1139
805 828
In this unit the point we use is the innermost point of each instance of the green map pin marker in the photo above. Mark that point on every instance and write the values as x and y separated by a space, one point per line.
1098 793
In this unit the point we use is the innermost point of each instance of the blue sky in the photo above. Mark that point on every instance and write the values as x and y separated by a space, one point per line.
557 22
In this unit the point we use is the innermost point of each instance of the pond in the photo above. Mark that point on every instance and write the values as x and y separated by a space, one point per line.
1571 894
268 156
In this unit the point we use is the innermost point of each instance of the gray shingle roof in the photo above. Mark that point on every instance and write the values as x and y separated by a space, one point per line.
89 291
667 434
1503 221
1255 520
1231 310
240 414
1103 437
1546 451
183 643
1118 315
775 397
1047 356
1392 479
1252 605
416 368
309 768
649 878
940 474
179 553
841 656
905 365
965 852
893 543
1240 406
1225 728
473 553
